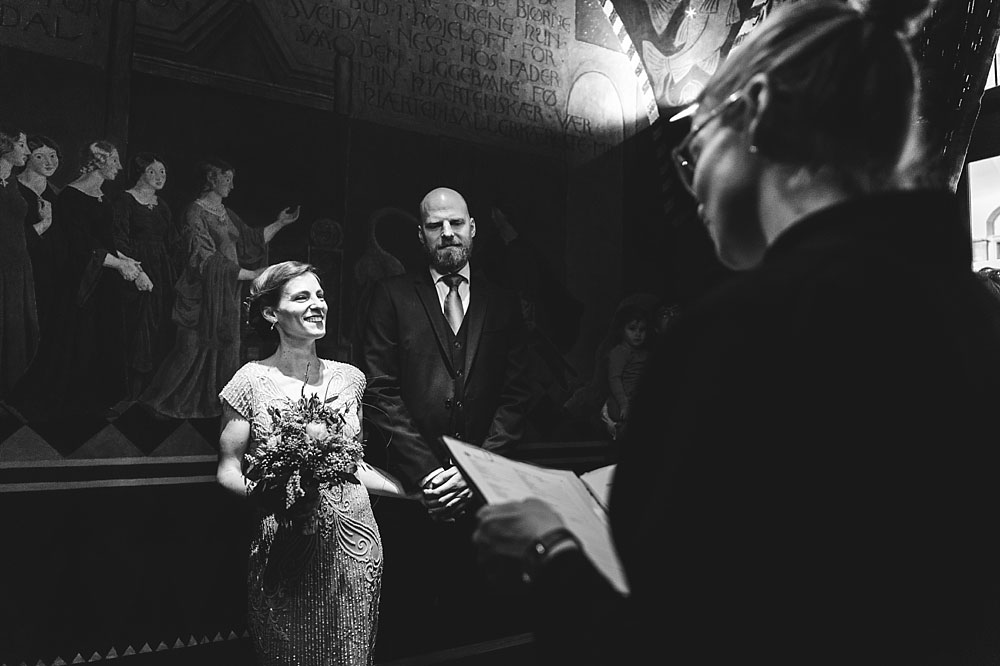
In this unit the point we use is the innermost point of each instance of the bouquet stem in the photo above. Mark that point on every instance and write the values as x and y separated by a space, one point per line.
310 524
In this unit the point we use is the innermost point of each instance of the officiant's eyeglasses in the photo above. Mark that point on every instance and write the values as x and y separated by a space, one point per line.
684 161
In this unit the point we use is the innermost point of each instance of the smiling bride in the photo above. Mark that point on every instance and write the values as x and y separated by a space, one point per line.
313 593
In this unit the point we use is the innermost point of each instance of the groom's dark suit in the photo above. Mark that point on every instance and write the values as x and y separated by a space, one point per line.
424 381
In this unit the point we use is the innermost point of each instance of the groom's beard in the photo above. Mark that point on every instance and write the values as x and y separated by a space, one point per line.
450 259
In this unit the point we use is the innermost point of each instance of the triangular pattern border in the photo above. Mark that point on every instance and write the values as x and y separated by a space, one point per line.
130 651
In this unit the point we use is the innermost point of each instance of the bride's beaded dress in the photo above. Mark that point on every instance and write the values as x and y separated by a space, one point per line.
325 613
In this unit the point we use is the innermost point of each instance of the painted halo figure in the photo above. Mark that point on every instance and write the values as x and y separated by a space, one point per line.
144 230
324 611
18 316
808 475
217 247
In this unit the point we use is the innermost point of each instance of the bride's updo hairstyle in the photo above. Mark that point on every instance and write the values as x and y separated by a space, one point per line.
843 88
266 292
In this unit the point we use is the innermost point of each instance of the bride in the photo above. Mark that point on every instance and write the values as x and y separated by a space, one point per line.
324 608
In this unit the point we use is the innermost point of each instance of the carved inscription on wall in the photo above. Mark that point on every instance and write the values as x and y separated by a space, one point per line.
493 70
73 29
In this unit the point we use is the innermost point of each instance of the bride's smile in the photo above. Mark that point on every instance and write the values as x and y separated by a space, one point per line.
301 310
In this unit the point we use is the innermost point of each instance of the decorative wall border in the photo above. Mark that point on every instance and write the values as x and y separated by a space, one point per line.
661 148
629 49
130 651
34 476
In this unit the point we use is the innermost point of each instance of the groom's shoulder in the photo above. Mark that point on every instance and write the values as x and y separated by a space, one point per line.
401 281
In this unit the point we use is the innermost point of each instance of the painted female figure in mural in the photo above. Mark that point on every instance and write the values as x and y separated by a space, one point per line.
144 230
18 317
46 238
100 273
218 247
85 348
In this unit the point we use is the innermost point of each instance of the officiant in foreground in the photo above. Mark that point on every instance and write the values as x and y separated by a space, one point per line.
809 475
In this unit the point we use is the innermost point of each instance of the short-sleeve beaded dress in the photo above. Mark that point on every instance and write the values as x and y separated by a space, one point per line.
326 614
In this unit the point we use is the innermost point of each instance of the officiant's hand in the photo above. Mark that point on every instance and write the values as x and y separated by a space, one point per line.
509 529
447 495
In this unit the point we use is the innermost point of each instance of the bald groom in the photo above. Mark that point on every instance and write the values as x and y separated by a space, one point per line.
445 354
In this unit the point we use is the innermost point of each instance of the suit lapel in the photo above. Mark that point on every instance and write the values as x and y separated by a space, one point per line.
429 299
474 320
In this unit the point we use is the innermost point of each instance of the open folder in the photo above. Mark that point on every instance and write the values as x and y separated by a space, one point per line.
581 501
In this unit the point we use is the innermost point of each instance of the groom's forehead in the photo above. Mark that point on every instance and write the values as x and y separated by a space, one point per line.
450 215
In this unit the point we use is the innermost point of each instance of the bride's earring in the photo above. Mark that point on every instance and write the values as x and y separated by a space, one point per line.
273 324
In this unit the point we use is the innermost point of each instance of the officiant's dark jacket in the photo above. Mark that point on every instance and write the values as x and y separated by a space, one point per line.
424 381
812 470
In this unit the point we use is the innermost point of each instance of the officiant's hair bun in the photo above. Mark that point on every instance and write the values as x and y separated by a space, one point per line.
266 291
842 86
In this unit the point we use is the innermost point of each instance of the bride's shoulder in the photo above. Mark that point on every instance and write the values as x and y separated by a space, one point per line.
249 373
349 374
242 391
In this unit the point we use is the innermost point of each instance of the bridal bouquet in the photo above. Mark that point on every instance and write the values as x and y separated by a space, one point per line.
309 445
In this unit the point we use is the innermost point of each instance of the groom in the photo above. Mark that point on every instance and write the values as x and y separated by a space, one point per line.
445 355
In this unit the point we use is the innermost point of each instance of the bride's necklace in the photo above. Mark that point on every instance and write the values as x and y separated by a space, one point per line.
217 209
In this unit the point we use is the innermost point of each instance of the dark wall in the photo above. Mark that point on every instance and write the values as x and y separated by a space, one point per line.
283 154
286 154
61 99
85 570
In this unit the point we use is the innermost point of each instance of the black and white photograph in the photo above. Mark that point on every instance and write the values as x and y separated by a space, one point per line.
482 332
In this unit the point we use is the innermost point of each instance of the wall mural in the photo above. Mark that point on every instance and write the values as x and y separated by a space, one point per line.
483 70
682 42
525 76
565 78
71 29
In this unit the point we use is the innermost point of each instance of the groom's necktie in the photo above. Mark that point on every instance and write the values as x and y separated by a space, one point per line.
453 310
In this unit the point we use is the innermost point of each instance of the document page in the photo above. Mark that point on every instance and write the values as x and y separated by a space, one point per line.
501 479
599 481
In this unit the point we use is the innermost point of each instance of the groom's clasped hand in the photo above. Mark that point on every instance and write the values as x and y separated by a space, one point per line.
447 495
